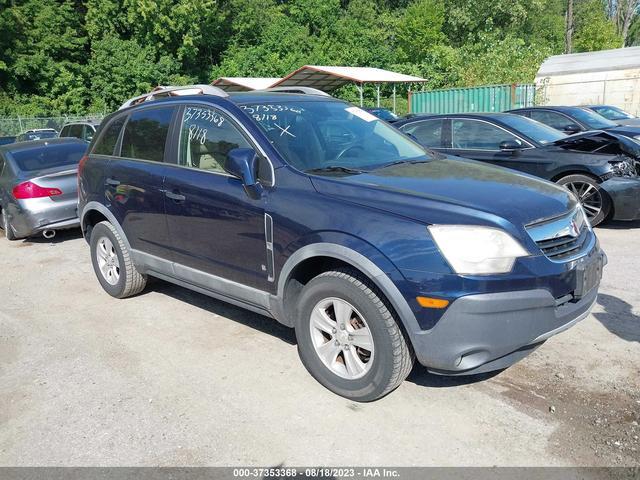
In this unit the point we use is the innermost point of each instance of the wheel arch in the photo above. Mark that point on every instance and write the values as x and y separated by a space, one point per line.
313 259
575 171
94 213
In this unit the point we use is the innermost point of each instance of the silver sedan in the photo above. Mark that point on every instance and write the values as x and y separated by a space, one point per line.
39 186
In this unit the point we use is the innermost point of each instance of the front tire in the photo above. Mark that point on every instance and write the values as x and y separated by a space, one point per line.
594 200
348 338
112 263
6 226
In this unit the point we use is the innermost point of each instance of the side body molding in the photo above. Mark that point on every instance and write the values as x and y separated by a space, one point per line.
256 300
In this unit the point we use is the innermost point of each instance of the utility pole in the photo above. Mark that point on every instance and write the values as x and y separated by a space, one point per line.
568 31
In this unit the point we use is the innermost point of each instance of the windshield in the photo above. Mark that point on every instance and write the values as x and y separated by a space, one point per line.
591 119
536 131
48 156
612 113
312 135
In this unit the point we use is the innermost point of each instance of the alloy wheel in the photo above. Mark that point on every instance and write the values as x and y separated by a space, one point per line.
589 197
108 261
341 338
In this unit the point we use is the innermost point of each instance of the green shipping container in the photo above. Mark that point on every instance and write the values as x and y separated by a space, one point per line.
489 98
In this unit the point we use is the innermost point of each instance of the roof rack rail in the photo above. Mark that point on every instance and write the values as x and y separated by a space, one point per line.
295 89
168 91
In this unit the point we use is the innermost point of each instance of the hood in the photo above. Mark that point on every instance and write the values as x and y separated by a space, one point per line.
630 122
600 141
629 131
452 191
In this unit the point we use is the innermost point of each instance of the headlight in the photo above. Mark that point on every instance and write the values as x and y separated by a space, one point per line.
477 250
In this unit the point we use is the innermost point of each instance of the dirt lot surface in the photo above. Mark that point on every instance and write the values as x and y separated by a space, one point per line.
172 377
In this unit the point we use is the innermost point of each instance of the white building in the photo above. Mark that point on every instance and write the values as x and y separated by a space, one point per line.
610 77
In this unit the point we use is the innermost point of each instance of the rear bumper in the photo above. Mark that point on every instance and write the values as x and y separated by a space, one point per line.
625 195
30 217
486 332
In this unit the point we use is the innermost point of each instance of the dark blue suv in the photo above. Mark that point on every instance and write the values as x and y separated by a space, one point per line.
309 210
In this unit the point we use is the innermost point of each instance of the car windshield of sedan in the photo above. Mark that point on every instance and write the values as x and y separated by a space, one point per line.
536 131
333 136
592 119
612 113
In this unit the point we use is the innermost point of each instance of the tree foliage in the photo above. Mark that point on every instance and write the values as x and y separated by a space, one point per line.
74 56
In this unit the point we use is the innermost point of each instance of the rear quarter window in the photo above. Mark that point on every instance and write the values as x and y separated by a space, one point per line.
107 141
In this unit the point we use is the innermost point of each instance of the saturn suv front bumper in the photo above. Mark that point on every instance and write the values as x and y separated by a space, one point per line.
481 332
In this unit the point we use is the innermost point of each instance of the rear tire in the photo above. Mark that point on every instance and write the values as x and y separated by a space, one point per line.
112 263
366 358
6 226
594 200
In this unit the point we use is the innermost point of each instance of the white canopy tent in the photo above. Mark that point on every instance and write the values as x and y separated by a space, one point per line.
329 78
243 84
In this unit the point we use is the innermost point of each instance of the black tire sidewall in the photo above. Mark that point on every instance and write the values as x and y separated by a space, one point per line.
8 233
374 382
606 200
98 232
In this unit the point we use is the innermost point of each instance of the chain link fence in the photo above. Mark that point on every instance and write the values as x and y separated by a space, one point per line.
16 125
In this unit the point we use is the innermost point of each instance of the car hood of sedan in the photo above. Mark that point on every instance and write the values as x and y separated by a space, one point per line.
452 191
630 122
612 142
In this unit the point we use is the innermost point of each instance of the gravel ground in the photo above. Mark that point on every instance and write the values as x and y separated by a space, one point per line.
172 377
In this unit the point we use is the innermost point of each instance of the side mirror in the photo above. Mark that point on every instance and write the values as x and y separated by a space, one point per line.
243 163
510 146
571 128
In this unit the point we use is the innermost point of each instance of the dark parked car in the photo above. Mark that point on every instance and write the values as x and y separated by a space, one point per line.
309 210
38 186
572 120
7 140
83 130
600 168
383 114
616 115
36 134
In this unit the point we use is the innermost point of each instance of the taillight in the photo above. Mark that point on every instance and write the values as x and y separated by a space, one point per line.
31 190
81 163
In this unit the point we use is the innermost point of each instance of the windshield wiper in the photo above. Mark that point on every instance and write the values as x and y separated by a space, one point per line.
401 162
334 168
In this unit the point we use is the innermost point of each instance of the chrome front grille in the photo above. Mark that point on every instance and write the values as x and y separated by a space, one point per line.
563 238
564 247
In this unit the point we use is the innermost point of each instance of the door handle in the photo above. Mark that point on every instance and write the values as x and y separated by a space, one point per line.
176 197
113 182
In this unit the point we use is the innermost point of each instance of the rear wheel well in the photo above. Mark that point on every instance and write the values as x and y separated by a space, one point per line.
90 220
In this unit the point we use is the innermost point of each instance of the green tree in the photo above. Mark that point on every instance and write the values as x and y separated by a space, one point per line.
593 30
120 69
419 29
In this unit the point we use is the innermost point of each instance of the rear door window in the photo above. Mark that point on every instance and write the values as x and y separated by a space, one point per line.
553 119
145 134
427 132
65 131
470 134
